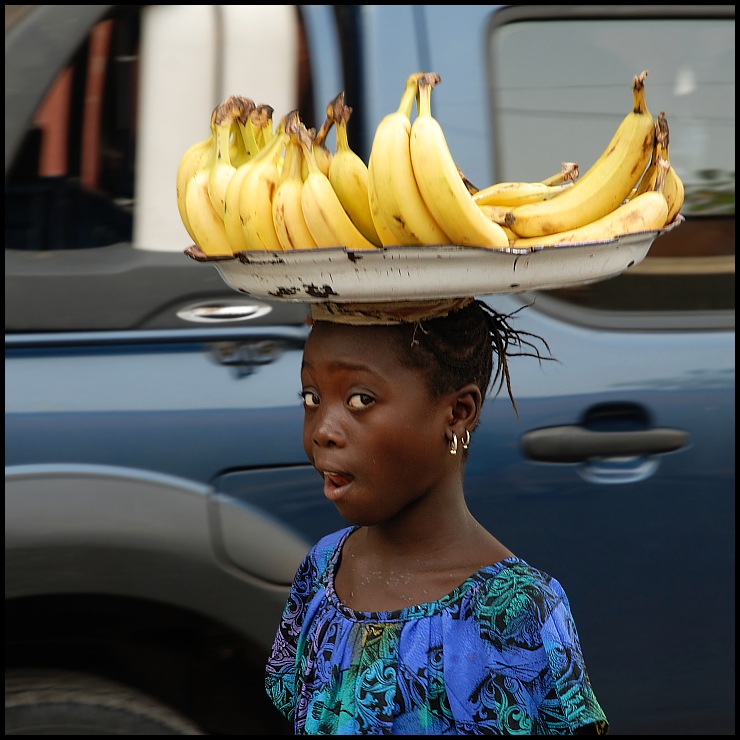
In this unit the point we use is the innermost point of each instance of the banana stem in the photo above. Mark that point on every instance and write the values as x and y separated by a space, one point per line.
410 94
638 92
568 172
426 85
262 120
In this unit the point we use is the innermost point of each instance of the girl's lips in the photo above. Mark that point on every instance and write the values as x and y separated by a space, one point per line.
336 485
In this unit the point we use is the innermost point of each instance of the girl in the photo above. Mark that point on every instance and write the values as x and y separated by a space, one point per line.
414 619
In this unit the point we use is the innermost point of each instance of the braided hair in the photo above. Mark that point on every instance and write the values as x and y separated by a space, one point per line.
460 348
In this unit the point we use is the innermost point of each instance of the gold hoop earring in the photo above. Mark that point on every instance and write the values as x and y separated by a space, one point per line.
466 440
453 444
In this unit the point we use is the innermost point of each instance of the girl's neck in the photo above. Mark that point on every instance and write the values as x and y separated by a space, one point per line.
389 567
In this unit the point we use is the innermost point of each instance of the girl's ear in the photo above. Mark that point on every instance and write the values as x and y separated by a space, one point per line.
467 407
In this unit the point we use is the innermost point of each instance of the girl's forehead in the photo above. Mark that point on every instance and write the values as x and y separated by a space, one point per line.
371 338
372 345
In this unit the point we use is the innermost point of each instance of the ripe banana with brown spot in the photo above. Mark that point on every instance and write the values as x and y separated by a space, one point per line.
606 184
439 181
325 216
348 175
287 211
398 209
645 212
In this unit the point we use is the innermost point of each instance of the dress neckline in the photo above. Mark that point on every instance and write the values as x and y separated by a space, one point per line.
414 611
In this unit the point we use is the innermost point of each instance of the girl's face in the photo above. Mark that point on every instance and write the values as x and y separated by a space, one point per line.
371 427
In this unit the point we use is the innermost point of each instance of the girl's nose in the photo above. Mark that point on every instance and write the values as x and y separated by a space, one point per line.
326 430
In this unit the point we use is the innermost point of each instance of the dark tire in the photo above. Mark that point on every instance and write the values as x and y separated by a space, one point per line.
51 702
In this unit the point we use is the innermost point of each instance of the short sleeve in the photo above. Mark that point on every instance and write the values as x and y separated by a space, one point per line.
280 672
533 679
567 665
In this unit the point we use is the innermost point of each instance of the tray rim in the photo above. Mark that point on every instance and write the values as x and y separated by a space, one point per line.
298 256
342 275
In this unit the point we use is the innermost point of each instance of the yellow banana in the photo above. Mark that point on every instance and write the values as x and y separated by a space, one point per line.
674 193
326 219
440 183
255 195
287 211
514 194
645 212
190 163
206 223
248 124
398 209
223 169
604 186
348 175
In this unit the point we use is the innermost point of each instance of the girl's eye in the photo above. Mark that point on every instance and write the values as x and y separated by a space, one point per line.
309 398
360 400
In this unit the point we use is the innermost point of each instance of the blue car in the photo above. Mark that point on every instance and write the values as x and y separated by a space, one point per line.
157 496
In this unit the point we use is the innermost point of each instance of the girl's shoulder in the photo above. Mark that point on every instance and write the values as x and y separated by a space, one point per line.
327 550
513 590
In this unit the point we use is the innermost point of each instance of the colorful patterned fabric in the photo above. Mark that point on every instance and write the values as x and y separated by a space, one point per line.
499 655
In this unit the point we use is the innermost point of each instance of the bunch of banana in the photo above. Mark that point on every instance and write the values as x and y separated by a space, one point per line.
606 184
210 174
400 214
645 212
202 213
439 181
250 186
251 124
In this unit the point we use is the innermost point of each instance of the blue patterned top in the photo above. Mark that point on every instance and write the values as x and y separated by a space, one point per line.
499 655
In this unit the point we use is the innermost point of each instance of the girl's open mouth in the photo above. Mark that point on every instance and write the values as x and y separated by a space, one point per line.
336 484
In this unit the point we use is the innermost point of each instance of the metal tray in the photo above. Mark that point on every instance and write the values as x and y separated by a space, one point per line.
339 275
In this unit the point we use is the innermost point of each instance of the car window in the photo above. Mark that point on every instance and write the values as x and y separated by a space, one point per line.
93 236
564 104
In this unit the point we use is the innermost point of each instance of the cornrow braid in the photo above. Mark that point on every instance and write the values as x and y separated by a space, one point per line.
460 348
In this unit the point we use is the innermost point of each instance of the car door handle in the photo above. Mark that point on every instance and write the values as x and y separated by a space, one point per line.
574 444
213 312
